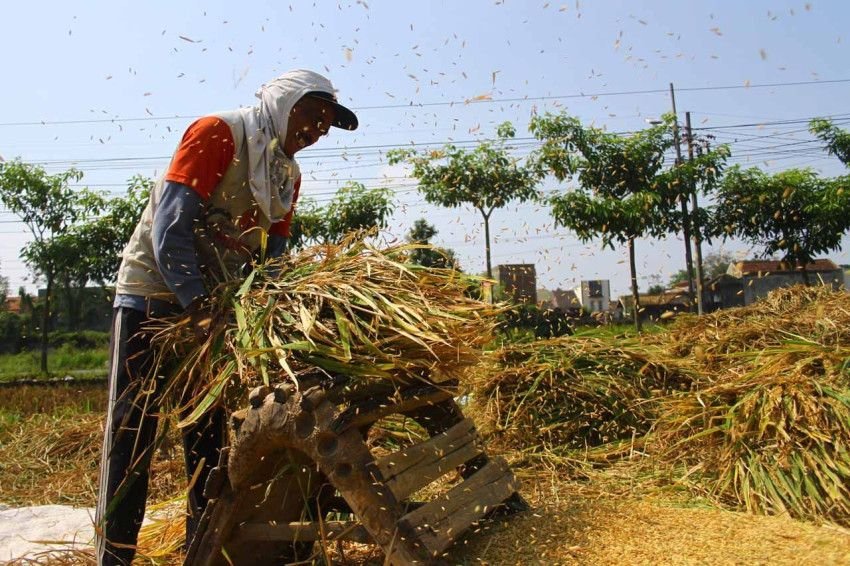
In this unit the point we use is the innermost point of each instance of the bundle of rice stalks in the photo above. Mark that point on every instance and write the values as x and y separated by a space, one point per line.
817 313
349 309
767 426
566 394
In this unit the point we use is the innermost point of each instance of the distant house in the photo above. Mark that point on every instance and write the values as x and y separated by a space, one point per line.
657 307
760 277
519 281
565 300
595 295
13 304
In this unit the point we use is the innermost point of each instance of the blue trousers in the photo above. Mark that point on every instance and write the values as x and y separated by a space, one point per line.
130 441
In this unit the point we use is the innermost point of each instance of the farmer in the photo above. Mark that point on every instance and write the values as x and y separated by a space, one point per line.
232 178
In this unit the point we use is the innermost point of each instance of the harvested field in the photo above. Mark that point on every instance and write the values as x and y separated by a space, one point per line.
618 515
50 450
586 528
722 441
749 407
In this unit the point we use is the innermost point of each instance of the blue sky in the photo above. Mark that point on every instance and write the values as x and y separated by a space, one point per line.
108 87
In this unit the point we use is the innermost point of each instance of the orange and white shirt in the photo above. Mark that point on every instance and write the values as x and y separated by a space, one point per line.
226 227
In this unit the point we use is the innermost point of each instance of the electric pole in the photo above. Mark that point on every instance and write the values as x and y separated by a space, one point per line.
695 221
686 224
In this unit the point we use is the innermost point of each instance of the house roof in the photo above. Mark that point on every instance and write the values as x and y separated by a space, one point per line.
749 266
13 304
722 280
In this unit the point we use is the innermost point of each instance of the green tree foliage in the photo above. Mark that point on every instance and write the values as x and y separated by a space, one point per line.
354 207
48 207
486 178
428 255
622 192
837 140
794 214
101 239
701 176
94 245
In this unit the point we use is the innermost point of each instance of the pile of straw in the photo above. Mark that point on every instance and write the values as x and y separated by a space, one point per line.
767 424
568 394
349 309
709 343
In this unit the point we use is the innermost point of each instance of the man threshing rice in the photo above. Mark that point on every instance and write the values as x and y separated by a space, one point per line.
232 182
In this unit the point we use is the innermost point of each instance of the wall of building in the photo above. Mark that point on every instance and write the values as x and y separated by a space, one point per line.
519 280
756 287
595 295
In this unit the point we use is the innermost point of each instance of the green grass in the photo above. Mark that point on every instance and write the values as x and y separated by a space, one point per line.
63 361
619 330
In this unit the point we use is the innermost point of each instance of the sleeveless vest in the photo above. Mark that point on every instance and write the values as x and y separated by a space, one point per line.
228 231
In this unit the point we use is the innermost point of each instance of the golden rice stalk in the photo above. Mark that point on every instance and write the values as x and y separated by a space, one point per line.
569 394
349 309
767 426
817 313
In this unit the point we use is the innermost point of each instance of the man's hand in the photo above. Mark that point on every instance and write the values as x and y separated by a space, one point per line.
201 318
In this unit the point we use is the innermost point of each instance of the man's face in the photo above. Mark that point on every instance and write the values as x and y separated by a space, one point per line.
309 120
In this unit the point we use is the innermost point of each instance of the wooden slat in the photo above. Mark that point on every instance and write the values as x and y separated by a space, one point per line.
304 531
436 446
372 409
441 521
408 470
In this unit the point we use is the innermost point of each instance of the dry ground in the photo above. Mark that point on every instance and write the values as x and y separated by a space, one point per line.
576 524
610 517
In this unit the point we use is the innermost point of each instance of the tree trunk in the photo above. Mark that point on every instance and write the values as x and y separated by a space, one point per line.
806 278
45 321
487 243
635 295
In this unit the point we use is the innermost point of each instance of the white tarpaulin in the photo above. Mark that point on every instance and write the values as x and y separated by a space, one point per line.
29 531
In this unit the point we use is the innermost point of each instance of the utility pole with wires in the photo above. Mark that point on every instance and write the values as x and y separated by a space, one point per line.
686 224
695 220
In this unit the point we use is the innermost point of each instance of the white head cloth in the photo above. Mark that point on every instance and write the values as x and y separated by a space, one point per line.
271 173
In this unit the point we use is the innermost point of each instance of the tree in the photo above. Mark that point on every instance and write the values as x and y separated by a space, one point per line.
487 178
4 291
837 140
794 213
622 193
429 256
48 207
714 264
91 249
102 238
354 207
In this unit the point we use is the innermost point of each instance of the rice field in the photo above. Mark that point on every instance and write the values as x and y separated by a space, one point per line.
748 407
719 439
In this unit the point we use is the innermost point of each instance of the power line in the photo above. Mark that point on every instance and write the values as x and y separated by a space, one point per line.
465 102
837 117
355 151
